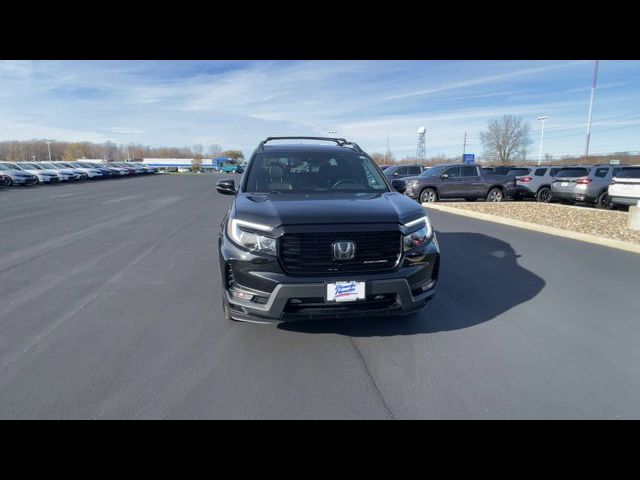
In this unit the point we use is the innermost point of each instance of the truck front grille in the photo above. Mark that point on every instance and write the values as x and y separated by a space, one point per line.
312 253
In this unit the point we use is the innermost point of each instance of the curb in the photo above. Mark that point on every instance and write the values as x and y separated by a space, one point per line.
558 232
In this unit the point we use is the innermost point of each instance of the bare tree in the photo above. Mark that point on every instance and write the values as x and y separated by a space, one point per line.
198 155
214 150
506 139
20 151
378 158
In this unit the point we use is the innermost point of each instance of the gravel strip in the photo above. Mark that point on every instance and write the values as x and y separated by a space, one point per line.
602 223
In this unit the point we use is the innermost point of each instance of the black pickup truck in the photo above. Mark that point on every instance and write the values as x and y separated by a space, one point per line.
459 181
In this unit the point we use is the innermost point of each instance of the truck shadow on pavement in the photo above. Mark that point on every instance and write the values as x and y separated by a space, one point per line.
480 278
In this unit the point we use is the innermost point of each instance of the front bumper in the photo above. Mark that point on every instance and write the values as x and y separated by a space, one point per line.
412 192
402 290
383 298
24 180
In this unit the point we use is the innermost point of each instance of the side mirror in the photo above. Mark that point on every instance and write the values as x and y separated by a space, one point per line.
444 175
226 186
399 186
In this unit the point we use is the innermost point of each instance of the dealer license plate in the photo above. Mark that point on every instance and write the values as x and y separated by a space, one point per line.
345 291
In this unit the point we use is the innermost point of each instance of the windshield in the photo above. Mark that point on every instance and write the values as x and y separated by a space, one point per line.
13 166
573 172
314 172
629 173
50 165
4 167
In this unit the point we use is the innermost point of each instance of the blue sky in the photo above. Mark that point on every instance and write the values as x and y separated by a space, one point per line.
236 104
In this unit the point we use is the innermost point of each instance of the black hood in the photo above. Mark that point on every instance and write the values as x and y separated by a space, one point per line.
276 209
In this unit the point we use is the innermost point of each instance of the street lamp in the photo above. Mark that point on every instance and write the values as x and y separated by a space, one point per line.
542 119
49 148
593 93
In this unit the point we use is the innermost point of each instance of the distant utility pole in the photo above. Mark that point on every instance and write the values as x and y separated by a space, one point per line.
33 158
542 119
593 94
49 148
464 145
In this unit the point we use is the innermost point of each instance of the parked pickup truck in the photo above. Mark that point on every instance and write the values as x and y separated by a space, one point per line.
460 181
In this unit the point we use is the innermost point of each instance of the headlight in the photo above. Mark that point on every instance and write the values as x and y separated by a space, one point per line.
250 240
419 237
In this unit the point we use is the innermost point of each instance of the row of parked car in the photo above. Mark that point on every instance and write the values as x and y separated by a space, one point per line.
602 185
33 173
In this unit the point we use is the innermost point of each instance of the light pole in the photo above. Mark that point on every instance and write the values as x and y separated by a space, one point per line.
49 148
593 94
542 119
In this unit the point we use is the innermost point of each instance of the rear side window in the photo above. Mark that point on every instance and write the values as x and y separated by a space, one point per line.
629 173
540 172
602 172
415 170
469 171
573 172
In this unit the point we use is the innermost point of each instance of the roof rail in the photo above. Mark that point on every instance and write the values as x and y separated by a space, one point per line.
339 141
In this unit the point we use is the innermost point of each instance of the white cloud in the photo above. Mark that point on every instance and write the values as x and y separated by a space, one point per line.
236 104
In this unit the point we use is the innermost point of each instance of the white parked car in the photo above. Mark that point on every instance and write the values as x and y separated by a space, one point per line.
65 174
625 187
78 168
42 174
39 178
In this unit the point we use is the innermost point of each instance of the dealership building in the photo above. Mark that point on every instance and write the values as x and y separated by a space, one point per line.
179 164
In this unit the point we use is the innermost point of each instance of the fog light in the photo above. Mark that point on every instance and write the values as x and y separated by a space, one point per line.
240 295
428 286
295 301
378 297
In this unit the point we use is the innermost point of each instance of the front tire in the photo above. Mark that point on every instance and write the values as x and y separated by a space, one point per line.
543 195
428 195
495 195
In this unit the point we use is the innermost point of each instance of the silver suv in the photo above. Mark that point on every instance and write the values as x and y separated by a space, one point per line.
585 183
535 182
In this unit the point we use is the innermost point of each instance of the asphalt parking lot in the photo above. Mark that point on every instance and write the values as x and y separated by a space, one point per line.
110 308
